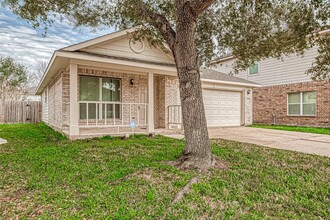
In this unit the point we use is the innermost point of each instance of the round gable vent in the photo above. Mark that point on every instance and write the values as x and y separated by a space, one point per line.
137 46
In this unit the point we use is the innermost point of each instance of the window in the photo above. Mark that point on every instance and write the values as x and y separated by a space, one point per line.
96 89
302 103
254 69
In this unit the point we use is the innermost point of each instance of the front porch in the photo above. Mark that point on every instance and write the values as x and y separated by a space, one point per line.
105 101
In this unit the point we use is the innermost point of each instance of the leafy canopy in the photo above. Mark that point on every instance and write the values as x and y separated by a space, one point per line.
250 29
13 79
12 73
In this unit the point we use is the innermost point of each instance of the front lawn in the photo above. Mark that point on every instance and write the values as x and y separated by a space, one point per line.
45 176
295 128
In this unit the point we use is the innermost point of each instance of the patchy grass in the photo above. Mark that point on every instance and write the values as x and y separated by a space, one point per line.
295 128
43 175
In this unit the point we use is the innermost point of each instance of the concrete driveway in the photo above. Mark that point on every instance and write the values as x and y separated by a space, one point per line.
288 140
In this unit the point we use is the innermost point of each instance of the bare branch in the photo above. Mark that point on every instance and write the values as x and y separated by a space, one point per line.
160 22
199 6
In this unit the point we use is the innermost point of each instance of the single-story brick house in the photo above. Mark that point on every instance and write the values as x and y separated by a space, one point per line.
99 87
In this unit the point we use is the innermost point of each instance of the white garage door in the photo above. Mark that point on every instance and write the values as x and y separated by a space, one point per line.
222 108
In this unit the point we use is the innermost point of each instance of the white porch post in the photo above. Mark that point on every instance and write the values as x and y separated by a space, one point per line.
74 105
151 125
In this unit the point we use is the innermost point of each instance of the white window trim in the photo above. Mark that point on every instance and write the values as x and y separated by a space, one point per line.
256 73
301 103
99 106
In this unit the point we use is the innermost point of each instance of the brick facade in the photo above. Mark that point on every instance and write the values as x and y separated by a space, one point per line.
166 93
172 96
270 103
55 102
159 101
248 107
66 102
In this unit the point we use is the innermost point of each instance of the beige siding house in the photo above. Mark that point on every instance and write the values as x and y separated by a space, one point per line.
288 95
290 70
113 85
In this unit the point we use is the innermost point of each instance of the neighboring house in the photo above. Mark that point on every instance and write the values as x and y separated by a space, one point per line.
288 96
31 95
109 84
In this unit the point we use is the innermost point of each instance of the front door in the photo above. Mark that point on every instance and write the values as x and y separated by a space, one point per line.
143 99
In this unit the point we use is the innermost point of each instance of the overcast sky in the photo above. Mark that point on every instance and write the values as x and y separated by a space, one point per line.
19 40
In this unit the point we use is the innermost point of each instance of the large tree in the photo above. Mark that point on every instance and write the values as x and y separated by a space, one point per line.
13 79
197 31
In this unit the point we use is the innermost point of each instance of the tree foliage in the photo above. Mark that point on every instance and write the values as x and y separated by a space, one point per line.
250 29
13 78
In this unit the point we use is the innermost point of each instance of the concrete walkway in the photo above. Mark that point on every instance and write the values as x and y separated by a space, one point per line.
2 141
296 141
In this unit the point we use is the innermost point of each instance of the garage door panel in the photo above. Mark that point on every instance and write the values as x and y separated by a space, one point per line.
222 108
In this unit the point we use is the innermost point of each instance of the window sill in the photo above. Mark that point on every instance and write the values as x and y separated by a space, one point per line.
310 116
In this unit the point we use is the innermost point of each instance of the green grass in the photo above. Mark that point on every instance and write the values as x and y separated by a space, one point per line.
295 128
45 176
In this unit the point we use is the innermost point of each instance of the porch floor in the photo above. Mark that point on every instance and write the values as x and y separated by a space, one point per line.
100 132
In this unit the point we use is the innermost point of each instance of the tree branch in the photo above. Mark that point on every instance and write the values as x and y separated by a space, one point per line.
199 6
158 21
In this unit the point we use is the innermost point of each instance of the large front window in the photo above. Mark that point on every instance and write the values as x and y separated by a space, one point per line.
99 97
302 104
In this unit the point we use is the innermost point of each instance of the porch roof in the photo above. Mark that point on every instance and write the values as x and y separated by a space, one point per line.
61 59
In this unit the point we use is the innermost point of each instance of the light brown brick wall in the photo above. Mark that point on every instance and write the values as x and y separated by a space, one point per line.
272 101
172 94
66 101
248 107
159 101
55 102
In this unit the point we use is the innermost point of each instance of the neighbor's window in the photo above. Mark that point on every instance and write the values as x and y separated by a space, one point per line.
99 90
302 103
254 69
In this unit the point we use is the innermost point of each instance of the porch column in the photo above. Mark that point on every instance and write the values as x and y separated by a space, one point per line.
74 105
151 113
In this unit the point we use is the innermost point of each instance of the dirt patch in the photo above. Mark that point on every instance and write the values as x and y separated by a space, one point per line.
21 202
152 176
217 164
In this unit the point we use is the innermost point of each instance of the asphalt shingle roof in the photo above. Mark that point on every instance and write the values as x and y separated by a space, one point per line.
215 75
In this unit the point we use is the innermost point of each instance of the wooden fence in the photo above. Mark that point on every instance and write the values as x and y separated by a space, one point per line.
20 112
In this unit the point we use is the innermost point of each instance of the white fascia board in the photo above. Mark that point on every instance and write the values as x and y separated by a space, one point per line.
46 72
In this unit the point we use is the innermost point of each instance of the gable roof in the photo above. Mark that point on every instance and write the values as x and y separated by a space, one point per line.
100 39
61 59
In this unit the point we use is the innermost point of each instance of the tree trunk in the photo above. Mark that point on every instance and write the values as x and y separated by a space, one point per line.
197 153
